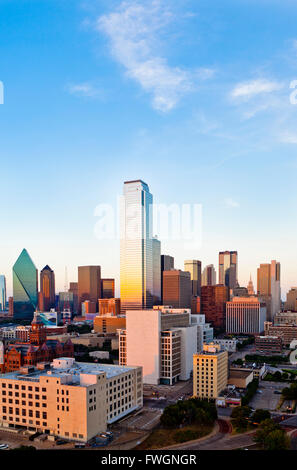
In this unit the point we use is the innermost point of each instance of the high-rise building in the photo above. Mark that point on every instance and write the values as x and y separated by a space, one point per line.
194 268
107 288
156 245
291 302
89 284
112 306
250 287
66 302
213 304
210 371
228 261
73 288
177 288
47 288
25 287
209 276
162 341
167 263
2 293
136 247
245 315
268 287
10 306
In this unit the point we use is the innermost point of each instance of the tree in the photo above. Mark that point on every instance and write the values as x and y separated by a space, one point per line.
266 427
261 415
277 440
240 416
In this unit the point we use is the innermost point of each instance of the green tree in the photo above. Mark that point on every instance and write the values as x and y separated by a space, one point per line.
277 440
266 427
260 415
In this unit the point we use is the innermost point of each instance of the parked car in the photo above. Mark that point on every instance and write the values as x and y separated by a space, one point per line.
4 446
79 445
60 442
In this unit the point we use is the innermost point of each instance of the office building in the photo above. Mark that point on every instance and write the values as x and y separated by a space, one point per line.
107 288
291 302
66 301
239 292
250 287
47 288
74 401
25 287
2 293
156 246
213 304
177 288
287 332
269 344
136 270
268 287
10 306
109 324
228 261
161 341
194 268
285 318
73 288
204 331
112 306
167 263
209 276
210 372
89 284
245 315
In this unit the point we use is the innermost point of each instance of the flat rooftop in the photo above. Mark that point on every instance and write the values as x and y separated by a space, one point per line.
239 374
74 370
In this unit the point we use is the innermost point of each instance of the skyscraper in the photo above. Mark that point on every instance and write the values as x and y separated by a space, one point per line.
136 247
156 271
268 287
177 288
2 293
47 288
194 268
25 287
107 288
228 268
213 304
250 287
167 263
89 284
209 277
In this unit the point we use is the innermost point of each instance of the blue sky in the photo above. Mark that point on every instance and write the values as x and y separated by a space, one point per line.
192 96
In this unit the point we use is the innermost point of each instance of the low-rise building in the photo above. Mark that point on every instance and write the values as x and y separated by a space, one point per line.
71 400
109 323
287 332
245 315
240 378
227 344
269 344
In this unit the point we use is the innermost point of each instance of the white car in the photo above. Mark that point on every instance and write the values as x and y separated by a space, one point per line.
4 446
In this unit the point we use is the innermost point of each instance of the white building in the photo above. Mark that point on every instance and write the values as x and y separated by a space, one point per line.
204 331
245 315
226 344
161 341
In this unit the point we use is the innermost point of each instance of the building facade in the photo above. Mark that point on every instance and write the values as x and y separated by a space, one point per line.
89 284
213 304
47 289
25 287
245 315
167 263
177 288
228 266
210 372
194 268
209 277
2 293
268 287
107 288
136 257
156 247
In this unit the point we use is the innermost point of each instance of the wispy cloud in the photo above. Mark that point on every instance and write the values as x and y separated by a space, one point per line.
134 30
84 89
230 203
249 89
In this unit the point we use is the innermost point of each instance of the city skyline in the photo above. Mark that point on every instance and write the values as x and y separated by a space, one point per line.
226 118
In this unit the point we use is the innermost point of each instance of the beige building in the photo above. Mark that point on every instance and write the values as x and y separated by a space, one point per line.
109 324
285 318
210 371
72 400
109 306
240 378
291 302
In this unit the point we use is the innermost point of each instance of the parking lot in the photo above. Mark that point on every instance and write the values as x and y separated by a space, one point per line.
265 398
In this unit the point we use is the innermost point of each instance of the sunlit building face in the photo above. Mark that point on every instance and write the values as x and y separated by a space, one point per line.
2 293
136 247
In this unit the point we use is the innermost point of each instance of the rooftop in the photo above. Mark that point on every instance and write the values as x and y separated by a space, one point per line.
69 368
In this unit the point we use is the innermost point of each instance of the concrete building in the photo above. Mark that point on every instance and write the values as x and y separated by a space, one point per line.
167 263
177 288
71 400
240 378
269 344
228 261
112 306
210 372
161 341
209 277
285 318
89 284
288 332
109 324
226 344
194 268
107 288
204 331
268 287
245 315
291 302
2 293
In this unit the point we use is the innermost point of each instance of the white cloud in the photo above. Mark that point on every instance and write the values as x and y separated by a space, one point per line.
84 89
230 203
134 30
288 138
252 88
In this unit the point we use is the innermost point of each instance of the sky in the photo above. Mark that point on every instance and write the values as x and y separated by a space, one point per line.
191 96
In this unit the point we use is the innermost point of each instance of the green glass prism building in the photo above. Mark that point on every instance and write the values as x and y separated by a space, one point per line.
25 287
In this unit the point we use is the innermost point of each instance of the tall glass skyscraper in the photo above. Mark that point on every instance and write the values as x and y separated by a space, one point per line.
2 293
228 261
156 271
136 247
25 287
